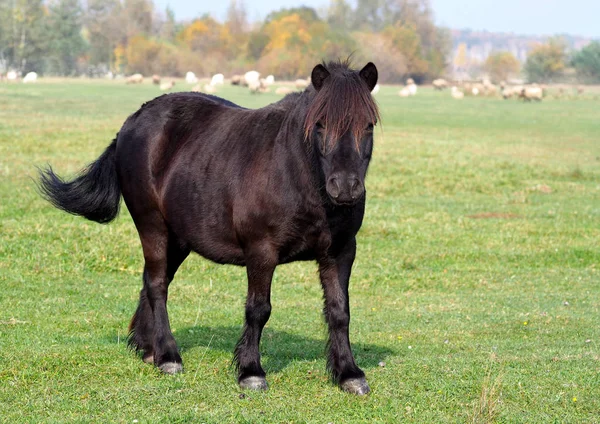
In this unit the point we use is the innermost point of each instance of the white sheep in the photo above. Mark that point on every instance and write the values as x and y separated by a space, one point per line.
405 92
439 84
166 86
456 93
30 77
283 90
190 78
251 77
209 88
134 79
217 79
301 84
531 93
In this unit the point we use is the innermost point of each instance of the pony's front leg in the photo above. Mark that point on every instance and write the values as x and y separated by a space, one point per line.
260 265
335 276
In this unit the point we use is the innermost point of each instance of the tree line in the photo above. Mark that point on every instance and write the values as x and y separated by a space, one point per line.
70 37
93 37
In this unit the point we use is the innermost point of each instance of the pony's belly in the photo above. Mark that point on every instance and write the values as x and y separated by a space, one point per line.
219 252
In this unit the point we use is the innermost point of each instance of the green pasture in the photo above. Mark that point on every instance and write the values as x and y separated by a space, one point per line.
475 294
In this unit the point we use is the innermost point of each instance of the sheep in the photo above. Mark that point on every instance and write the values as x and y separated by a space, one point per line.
439 84
30 77
156 79
190 78
284 90
166 86
210 89
134 79
456 93
531 93
405 92
11 76
489 89
301 84
411 86
251 77
477 89
236 80
217 79
257 87
507 93
375 89
270 79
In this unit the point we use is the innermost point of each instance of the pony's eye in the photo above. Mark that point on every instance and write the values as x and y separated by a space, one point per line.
320 126
369 127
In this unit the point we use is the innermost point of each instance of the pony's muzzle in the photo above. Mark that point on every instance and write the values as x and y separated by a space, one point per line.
345 190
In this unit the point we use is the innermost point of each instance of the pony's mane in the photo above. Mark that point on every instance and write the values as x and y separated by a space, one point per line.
344 103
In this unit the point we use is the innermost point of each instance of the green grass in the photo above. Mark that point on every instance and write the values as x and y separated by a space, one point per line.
476 280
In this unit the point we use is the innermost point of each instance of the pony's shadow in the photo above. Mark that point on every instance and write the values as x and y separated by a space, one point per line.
278 348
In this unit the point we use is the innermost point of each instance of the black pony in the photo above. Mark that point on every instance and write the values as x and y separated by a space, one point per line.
255 188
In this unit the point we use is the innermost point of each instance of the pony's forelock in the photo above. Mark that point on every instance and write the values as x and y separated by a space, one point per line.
343 104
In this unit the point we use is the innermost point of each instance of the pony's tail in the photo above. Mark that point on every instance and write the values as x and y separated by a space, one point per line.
94 194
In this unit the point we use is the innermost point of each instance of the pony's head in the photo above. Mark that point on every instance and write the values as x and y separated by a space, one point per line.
340 123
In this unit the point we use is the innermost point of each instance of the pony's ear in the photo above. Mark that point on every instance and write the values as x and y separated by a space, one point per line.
318 76
369 74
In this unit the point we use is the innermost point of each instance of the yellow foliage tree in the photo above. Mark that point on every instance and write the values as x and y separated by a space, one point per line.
501 66
120 59
142 54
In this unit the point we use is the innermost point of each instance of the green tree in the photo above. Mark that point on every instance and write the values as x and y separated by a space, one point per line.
306 14
587 62
340 15
66 43
169 27
546 62
22 35
103 21
501 65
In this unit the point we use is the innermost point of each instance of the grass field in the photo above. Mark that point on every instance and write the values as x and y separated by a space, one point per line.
477 279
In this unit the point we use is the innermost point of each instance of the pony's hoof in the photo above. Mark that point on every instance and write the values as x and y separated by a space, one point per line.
148 358
171 367
356 386
254 383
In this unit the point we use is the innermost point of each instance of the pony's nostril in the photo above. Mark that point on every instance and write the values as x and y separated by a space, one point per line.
355 188
333 187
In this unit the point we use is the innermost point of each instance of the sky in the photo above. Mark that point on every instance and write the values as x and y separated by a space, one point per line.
528 17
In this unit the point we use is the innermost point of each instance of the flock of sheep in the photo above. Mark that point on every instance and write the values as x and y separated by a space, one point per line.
530 92
250 79
256 84
14 76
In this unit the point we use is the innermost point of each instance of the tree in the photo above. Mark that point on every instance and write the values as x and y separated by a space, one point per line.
340 15
501 65
587 62
460 57
307 14
64 32
103 21
546 62
408 43
23 34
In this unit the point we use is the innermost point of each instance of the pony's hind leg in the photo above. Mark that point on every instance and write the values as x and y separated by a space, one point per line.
150 331
260 265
